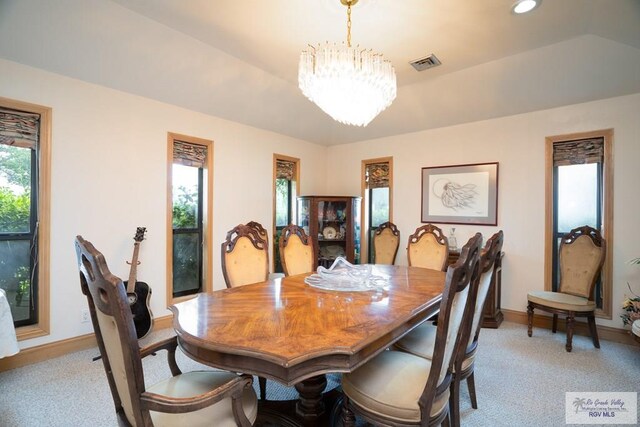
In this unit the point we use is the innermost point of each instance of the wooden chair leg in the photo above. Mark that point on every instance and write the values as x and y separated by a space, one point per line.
570 323
454 402
445 422
594 331
554 324
529 319
471 385
262 384
348 418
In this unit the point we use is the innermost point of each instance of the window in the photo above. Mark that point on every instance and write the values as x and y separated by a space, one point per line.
579 193
190 184
285 192
377 198
24 214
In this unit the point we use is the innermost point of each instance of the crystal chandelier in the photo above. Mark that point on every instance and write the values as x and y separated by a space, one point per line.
350 84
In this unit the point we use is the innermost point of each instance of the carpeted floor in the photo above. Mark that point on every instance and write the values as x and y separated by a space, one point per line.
520 381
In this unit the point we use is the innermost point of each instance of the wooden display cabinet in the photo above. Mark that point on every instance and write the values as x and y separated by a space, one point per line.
333 222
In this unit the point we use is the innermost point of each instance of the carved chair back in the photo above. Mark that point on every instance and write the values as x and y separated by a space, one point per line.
428 248
582 254
296 251
454 321
114 328
262 232
486 279
245 257
386 240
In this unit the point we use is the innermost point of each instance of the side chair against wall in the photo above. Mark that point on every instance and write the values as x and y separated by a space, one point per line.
582 253
428 248
296 251
421 341
400 389
193 398
245 260
386 240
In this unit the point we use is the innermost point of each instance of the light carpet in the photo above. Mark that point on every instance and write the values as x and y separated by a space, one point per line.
520 381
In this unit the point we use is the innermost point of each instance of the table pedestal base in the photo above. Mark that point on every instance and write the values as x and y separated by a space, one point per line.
312 409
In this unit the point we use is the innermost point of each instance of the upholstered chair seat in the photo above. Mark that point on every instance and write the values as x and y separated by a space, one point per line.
390 385
561 301
428 248
386 240
296 251
198 382
581 256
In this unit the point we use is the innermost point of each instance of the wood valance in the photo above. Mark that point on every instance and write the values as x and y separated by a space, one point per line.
285 170
188 154
578 152
19 128
377 175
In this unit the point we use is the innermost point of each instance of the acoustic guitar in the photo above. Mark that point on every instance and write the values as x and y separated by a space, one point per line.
139 293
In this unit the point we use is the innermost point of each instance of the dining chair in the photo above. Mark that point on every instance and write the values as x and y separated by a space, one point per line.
386 240
296 251
245 260
428 248
581 256
245 257
421 341
401 389
186 399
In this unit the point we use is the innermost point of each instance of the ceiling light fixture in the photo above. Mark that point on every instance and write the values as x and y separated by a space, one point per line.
352 85
524 6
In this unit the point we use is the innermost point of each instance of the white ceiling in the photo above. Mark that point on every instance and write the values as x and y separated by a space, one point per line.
238 59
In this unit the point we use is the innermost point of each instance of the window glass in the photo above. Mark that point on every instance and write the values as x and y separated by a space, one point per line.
379 206
283 202
577 196
15 189
185 196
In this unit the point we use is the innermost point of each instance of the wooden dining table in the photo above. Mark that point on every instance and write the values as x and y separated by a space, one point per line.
294 333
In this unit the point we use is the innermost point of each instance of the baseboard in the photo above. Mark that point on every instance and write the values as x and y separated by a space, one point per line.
60 348
607 333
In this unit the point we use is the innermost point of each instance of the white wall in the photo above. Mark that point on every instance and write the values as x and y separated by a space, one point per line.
517 143
109 176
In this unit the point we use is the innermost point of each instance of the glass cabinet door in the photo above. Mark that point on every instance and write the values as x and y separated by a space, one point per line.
332 231
304 206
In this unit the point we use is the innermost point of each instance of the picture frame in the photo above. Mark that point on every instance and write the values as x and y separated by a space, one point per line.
460 194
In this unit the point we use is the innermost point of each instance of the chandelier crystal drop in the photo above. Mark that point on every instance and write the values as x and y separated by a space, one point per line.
350 84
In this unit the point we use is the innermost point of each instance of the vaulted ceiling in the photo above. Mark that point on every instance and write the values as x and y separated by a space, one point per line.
238 59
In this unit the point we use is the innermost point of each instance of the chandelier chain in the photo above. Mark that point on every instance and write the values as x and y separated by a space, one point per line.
349 25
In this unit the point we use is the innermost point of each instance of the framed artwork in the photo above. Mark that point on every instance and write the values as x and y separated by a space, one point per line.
460 194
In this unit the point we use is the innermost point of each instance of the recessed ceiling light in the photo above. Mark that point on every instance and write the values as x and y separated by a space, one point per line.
524 6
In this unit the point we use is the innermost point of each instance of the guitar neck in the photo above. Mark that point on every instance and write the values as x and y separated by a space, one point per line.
133 272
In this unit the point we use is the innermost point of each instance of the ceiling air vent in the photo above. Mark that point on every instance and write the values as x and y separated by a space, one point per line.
426 62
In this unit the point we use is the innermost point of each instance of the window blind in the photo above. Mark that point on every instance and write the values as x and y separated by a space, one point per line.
578 152
285 170
188 154
377 175
18 128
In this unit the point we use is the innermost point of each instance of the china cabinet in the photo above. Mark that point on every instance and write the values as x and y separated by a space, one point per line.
334 225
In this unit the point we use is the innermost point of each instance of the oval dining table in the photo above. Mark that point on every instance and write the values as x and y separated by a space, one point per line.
293 333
